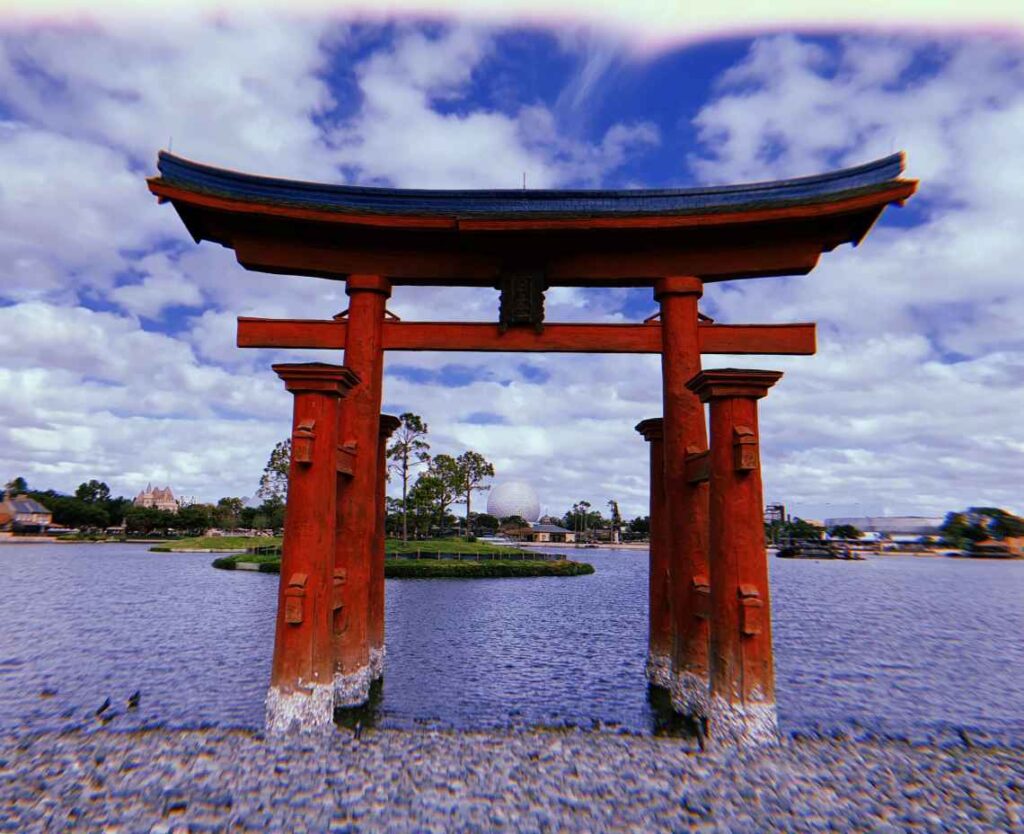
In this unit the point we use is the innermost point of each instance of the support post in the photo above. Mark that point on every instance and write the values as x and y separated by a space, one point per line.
301 691
742 671
358 430
686 502
659 641
388 424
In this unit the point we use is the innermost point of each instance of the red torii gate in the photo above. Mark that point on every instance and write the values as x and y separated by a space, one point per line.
710 637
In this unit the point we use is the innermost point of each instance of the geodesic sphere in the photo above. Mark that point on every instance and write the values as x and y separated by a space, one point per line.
513 498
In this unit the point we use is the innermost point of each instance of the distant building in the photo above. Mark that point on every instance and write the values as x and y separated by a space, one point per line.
21 514
893 525
547 533
159 499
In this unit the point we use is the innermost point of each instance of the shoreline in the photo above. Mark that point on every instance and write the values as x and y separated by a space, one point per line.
164 780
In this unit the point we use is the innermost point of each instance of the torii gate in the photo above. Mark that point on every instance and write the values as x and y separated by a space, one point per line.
710 634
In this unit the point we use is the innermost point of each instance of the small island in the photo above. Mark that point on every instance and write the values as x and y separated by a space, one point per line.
431 558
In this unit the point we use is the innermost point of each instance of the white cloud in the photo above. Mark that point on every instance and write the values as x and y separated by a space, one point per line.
880 419
401 136
240 90
162 286
912 403
68 210
94 394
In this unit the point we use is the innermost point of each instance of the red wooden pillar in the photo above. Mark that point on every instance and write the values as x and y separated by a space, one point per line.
686 500
301 690
659 644
742 673
356 535
388 424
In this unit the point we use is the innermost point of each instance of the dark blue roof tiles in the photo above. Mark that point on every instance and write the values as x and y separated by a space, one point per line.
511 204
22 505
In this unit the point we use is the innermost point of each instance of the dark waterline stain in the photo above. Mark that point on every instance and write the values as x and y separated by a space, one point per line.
895 645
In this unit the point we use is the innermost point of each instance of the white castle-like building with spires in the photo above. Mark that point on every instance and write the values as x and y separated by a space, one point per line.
160 499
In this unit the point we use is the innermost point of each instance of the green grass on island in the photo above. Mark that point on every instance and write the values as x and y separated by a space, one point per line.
435 568
452 558
443 547
451 547
227 544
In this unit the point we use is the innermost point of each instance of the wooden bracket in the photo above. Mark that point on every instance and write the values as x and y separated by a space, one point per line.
294 594
698 465
302 442
751 606
339 621
744 449
701 597
346 459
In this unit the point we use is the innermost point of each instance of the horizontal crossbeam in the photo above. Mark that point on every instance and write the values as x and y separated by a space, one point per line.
779 339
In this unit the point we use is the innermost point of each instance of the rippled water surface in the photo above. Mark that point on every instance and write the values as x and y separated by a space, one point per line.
898 644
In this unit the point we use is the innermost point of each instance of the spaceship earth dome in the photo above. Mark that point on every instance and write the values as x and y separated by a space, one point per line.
514 498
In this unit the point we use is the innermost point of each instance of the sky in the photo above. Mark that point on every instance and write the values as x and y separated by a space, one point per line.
117 356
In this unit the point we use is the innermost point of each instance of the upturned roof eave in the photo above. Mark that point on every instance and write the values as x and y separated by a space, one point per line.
204 187
858 200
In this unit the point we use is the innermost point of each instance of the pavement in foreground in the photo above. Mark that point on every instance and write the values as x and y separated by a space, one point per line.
216 780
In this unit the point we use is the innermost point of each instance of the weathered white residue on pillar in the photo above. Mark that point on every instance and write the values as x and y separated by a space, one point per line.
690 696
747 725
377 663
353 689
659 670
310 710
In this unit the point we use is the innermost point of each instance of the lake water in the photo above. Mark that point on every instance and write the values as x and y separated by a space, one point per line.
899 645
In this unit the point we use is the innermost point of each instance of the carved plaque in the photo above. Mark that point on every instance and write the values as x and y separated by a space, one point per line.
522 300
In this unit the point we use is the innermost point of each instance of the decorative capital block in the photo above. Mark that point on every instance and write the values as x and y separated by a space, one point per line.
388 424
678 285
317 377
368 283
733 382
652 428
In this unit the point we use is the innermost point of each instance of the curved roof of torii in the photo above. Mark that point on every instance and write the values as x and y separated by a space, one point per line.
470 236
528 203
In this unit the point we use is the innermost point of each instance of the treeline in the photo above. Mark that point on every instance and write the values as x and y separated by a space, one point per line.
93 508
959 528
980 524
584 520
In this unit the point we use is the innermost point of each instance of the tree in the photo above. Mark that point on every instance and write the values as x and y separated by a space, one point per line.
473 468
800 529
483 521
447 486
392 517
229 512
270 515
420 505
978 524
640 526
513 525
613 507
844 531
93 492
1000 523
580 518
194 519
116 508
16 486
407 451
274 481
149 519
